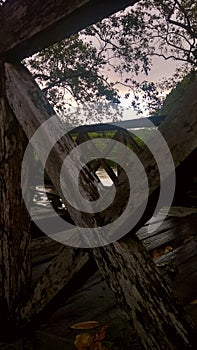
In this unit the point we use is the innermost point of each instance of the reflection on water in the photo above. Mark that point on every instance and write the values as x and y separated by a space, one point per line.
40 193
40 197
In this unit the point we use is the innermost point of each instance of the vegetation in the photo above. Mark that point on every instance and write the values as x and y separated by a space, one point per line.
88 70
177 93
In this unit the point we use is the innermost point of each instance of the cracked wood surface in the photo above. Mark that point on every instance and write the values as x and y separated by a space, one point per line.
59 273
137 292
32 110
30 26
15 260
126 266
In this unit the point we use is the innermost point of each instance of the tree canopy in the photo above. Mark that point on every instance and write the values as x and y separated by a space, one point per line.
88 69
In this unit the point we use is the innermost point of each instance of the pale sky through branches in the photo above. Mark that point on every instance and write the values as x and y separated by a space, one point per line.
160 69
126 63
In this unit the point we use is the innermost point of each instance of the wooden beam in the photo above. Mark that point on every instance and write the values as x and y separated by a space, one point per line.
125 264
126 124
69 261
32 110
15 259
132 269
44 249
30 26
60 272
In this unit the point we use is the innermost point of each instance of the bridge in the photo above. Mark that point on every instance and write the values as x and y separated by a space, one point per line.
139 288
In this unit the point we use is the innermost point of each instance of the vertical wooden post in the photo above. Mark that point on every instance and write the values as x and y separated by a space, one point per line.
15 263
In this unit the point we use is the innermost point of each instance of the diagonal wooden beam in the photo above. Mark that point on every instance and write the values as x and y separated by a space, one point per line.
63 268
30 26
140 290
33 109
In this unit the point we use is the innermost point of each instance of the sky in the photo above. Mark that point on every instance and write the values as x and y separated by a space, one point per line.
161 68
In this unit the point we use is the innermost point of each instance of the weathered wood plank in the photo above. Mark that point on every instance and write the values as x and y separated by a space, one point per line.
33 110
172 231
179 268
31 114
43 249
30 26
179 130
183 120
174 249
15 260
147 301
60 271
131 274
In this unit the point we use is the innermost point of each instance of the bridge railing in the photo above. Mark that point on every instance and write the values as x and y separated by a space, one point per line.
120 132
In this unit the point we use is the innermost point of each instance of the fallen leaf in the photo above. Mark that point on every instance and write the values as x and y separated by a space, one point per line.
83 341
85 325
159 252
156 253
168 249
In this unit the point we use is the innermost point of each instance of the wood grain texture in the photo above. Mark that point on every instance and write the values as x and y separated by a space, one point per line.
61 270
32 110
44 249
140 290
125 264
30 26
15 260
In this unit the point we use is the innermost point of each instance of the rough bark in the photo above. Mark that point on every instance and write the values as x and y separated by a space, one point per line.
30 26
15 263
132 276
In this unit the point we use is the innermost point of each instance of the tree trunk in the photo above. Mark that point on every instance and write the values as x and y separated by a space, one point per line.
15 264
